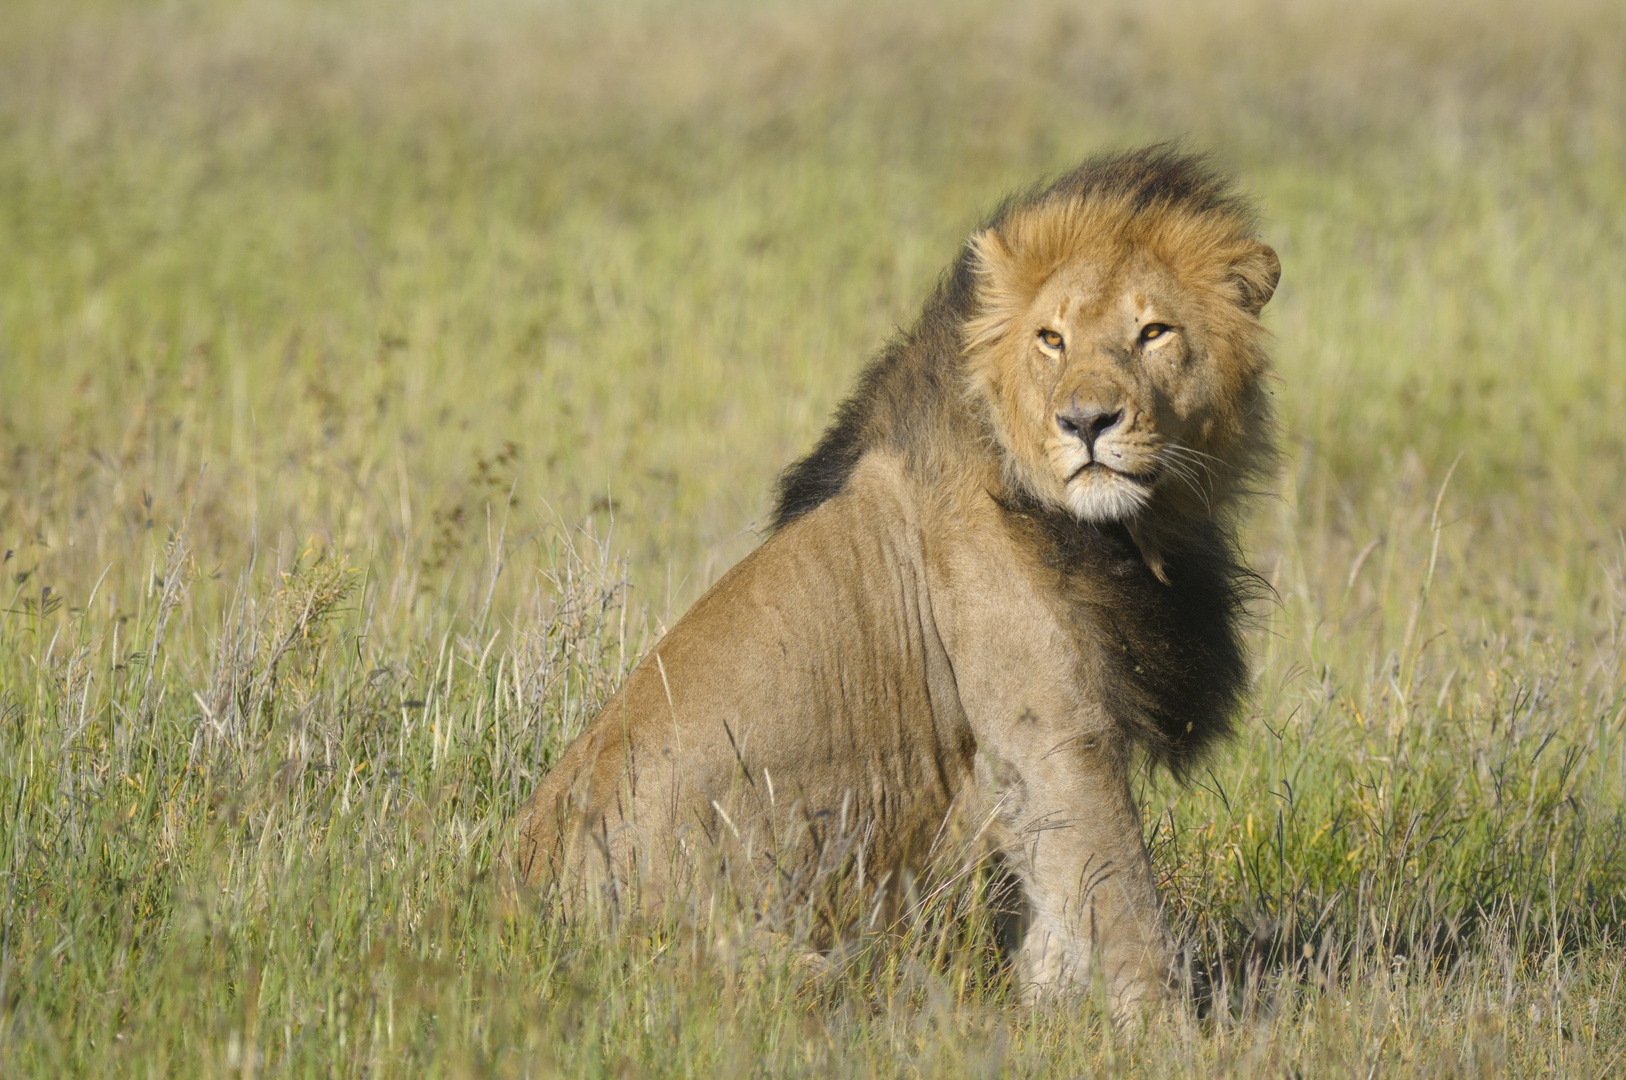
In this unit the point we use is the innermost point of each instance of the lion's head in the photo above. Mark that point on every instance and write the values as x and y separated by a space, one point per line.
1115 345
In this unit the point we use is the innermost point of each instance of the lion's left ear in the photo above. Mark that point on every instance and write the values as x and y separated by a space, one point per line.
1256 270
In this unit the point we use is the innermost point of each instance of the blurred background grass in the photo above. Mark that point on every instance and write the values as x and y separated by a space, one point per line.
377 377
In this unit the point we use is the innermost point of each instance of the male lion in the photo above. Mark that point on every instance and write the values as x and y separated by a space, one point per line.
1005 567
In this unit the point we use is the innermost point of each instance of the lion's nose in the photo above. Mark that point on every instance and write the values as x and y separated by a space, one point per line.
1088 423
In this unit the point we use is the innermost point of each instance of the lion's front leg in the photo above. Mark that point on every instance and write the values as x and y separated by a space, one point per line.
1070 833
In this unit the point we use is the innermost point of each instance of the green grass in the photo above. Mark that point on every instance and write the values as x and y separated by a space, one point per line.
376 381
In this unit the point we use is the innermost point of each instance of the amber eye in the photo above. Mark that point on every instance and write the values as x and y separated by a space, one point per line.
1050 338
1154 330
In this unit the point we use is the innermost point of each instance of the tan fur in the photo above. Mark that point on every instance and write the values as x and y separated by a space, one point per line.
950 622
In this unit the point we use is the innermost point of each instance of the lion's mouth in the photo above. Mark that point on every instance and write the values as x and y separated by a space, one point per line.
1144 479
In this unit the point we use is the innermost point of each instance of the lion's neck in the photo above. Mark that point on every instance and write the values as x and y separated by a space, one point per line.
1171 644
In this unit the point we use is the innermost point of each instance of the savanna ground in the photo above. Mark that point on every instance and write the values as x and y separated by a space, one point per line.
377 379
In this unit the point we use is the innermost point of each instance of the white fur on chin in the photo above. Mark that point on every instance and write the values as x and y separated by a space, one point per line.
1102 495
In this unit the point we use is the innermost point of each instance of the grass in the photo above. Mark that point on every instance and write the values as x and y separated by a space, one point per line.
378 379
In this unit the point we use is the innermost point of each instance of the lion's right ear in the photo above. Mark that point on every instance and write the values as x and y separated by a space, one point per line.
1256 270
993 258
999 288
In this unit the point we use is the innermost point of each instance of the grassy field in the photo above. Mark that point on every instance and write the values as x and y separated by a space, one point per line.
377 379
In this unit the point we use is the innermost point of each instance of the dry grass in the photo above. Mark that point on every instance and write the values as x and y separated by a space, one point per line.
375 379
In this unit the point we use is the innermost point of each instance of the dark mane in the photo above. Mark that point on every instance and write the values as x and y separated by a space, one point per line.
898 392
1174 667
1150 178
895 397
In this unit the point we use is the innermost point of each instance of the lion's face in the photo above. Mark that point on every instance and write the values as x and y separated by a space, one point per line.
1121 367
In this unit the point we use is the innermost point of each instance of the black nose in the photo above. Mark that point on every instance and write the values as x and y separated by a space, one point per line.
1087 424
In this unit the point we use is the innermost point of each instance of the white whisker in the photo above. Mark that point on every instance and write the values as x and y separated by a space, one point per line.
1183 464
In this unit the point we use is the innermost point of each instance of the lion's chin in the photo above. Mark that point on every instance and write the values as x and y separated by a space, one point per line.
1100 494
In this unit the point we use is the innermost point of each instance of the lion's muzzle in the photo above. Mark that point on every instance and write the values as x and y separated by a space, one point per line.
1087 423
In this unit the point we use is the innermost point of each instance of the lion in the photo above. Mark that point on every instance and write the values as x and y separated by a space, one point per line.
1005 574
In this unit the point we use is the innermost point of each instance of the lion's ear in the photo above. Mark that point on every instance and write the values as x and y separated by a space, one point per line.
993 258
1257 270
999 292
